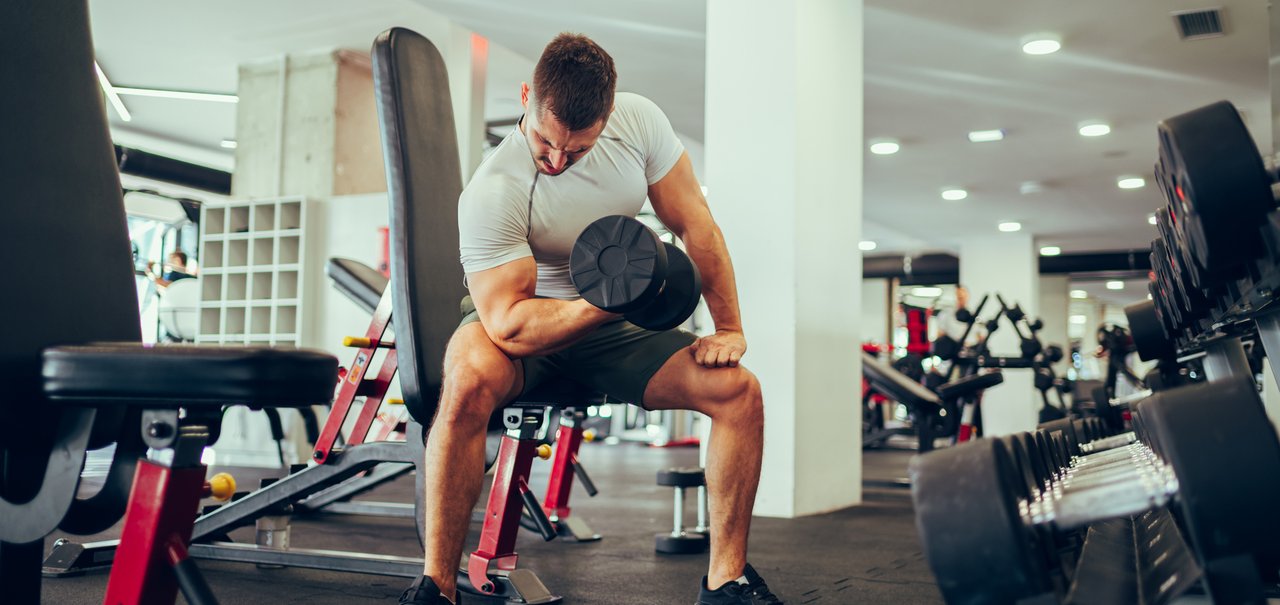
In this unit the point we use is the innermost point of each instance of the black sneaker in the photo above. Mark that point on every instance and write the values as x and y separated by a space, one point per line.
425 592
753 592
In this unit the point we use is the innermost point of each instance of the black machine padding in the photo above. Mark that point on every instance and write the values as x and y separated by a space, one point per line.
424 180
969 385
189 375
360 282
64 240
896 385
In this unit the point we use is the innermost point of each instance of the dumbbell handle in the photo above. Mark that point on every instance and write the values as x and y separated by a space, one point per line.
1108 443
1110 501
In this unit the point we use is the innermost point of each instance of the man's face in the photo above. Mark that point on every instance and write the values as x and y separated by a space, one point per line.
962 297
555 148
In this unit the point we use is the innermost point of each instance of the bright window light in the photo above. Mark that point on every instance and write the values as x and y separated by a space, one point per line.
953 194
884 147
866 245
229 144
986 136
1050 251
1010 226
1094 128
1041 44
1115 284
1131 182
926 292
704 191
1078 319
1079 294
1151 220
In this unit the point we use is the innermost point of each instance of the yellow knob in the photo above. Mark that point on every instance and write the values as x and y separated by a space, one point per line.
544 451
359 342
394 401
589 435
222 487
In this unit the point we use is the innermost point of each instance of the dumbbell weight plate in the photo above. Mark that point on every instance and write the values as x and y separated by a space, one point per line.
618 264
678 298
979 549
683 544
1224 451
1148 335
1219 188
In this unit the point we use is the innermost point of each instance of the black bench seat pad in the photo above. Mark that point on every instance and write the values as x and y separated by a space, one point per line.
560 392
969 385
189 375
895 385
360 282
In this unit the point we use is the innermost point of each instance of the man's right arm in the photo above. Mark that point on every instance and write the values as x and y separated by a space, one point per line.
522 325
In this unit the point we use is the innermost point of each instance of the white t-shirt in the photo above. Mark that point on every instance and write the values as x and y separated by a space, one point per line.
510 211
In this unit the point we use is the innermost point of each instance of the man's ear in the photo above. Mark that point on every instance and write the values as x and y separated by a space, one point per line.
524 95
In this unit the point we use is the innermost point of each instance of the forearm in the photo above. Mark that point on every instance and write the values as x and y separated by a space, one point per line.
541 326
706 247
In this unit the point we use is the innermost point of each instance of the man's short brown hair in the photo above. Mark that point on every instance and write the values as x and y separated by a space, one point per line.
575 80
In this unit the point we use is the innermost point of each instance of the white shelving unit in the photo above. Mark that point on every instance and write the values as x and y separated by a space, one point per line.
253 256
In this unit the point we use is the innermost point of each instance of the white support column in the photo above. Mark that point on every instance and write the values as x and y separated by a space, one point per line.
788 196
1055 302
1005 264
468 63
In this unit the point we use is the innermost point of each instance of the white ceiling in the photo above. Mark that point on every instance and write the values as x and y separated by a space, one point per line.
934 70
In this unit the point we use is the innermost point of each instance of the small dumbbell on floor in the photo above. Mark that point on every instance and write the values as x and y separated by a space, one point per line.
683 540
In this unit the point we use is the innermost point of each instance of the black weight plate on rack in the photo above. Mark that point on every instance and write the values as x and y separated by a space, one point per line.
979 549
1225 453
1220 190
618 264
1151 338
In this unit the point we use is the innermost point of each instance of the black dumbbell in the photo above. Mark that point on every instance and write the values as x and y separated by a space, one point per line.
620 265
682 541
983 521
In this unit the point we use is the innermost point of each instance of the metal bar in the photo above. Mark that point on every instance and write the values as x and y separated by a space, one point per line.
353 381
677 525
1224 359
331 560
346 490
1269 334
391 510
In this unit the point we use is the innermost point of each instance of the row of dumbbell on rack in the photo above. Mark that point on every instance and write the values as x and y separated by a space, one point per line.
1071 514
1214 264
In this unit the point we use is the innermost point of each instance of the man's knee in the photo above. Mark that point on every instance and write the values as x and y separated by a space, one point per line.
736 396
473 386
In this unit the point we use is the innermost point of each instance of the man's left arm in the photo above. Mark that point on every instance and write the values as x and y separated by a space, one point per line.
677 199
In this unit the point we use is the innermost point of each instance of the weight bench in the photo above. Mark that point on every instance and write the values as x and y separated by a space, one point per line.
74 353
924 404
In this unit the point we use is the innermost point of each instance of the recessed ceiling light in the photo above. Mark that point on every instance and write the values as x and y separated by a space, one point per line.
1010 226
1115 284
1050 251
1131 182
1149 296
1094 128
1030 187
1079 294
1041 44
926 291
866 245
1151 220
986 136
1078 319
229 143
884 146
953 194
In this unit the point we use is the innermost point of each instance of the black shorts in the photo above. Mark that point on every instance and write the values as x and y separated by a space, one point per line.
617 359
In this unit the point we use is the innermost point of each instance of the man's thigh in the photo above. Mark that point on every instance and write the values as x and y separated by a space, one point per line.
619 359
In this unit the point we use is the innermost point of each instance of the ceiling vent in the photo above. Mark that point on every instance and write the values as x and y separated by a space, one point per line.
1198 24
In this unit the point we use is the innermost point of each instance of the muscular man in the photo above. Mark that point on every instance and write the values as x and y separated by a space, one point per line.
580 153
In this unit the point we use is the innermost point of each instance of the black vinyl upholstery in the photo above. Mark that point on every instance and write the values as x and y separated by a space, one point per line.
896 385
360 282
415 115
969 385
189 375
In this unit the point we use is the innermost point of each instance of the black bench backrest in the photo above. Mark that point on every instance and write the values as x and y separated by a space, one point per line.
64 242
424 181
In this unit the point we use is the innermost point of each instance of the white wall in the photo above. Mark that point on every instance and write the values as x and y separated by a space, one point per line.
876 311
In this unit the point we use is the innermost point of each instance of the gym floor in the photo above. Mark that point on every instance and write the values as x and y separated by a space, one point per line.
865 554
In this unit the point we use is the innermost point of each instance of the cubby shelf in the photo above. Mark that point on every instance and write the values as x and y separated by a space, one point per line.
254 264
